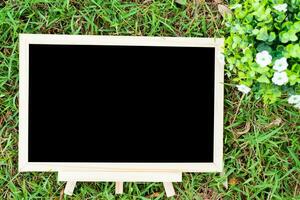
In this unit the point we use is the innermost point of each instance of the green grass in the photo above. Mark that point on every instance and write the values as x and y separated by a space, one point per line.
262 144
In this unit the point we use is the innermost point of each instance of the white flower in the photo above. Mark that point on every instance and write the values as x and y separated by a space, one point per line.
294 99
281 64
244 89
281 7
263 58
297 106
236 6
280 78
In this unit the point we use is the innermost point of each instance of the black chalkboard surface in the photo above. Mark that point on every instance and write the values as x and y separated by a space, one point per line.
154 104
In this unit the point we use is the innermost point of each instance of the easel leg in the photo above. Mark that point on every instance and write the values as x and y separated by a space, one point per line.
119 187
169 189
70 187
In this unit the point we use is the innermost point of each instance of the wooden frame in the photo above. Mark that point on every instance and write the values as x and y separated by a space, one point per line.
26 39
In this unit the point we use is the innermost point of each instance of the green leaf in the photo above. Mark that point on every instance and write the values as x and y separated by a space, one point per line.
251 74
292 36
241 74
247 82
248 28
283 37
240 14
236 41
236 79
280 18
262 70
293 75
270 93
293 79
297 26
272 37
298 16
264 47
249 18
255 31
288 25
292 50
248 55
263 79
263 34
262 14
296 68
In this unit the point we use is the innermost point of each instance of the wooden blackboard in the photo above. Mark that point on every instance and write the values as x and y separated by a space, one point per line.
104 101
